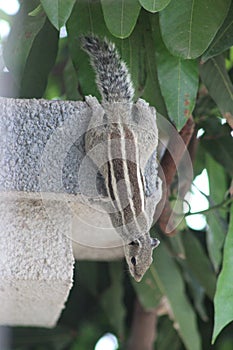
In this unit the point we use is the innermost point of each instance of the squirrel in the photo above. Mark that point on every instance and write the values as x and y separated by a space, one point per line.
122 169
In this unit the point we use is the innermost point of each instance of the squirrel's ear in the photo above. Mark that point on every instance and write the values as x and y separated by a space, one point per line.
136 242
154 242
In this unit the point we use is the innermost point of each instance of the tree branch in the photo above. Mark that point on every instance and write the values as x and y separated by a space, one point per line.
143 330
169 165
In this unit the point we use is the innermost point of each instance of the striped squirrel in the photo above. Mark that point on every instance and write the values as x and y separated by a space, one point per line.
129 134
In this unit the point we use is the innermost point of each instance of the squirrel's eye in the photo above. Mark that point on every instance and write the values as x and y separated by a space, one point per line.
133 261
134 243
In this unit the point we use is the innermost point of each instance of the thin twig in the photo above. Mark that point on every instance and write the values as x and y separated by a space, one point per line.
214 207
201 192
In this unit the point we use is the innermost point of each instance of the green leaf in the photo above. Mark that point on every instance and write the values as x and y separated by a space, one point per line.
199 161
196 291
39 63
36 11
164 278
133 52
71 82
91 21
58 11
152 91
217 140
88 276
177 249
224 294
223 39
188 27
112 299
215 77
176 246
215 239
164 342
171 281
88 333
217 224
120 16
148 291
217 182
178 80
199 263
154 5
22 35
39 338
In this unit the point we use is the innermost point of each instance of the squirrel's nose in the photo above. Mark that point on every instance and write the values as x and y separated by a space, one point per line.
137 277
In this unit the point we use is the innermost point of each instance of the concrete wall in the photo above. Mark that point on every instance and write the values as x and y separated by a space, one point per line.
45 222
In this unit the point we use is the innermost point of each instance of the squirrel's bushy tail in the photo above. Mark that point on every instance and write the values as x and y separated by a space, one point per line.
112 76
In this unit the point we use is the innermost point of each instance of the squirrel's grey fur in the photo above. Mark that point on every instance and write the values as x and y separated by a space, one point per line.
112 76
117 115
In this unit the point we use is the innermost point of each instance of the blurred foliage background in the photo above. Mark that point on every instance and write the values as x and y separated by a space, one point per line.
181 61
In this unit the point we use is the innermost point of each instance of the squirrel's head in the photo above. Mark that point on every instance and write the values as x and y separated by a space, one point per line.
138 254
